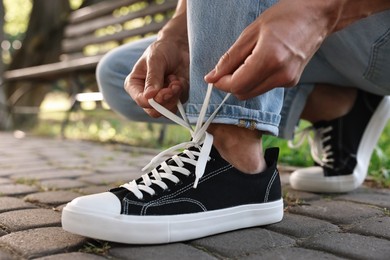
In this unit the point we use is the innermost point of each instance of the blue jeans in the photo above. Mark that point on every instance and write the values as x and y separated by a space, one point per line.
358 56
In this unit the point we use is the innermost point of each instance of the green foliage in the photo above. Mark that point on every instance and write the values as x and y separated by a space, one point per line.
380 162
96 247
74 4
16 16
296 157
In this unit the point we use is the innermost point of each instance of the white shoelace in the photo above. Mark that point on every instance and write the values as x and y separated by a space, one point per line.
320 153
200 139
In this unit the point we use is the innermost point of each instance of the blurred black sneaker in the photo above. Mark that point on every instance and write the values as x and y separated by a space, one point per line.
342 148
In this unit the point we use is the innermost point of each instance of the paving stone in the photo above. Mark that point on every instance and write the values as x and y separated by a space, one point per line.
368 196
23 154
350 245
16 189
295 195
61 184
5 181
59 153
291 253
40 242
14 163
60 207
2 232
292 225
379 227
284 178
162 252
29 218
51 197
72 256
242 242
139 161
287 168
9 203
117 178
4 255
113 168
68 161
337 212
51 174
96 189
25 171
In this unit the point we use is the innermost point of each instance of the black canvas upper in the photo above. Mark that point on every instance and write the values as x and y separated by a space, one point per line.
221 186
346 133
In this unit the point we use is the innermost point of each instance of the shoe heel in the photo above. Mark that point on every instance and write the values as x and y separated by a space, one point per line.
386 108
375 127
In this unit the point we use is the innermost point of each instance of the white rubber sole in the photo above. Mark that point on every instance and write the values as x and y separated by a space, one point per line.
166 229
312 178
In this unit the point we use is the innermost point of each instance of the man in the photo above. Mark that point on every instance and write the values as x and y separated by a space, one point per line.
249 49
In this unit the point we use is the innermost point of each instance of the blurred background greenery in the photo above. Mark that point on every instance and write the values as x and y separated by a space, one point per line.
98 123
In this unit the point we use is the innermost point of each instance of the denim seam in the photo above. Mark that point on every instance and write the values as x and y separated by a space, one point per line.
369 73
242 118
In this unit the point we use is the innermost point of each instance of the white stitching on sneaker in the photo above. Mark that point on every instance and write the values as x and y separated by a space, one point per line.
321 154
200 139
172 201
167 197
184 189
271 181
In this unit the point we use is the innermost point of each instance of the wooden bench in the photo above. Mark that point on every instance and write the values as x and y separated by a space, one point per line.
91 32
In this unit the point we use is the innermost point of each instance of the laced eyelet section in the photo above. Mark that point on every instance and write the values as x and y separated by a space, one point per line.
320 148
159 172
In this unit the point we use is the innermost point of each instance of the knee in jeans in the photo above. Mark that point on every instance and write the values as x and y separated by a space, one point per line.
106 74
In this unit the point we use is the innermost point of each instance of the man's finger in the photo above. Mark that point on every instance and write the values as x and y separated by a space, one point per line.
233 58
155 74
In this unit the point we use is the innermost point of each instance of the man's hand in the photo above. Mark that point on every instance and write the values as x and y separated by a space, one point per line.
273 50
162 74
162 71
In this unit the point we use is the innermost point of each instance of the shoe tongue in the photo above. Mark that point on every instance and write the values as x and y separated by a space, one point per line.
194 148
213 153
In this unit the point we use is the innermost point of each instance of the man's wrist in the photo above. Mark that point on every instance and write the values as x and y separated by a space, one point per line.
175 30
346 12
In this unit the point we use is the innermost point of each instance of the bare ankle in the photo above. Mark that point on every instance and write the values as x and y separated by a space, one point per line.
241 147
328 102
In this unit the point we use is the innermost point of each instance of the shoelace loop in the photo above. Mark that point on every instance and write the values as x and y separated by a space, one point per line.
200 139
321 153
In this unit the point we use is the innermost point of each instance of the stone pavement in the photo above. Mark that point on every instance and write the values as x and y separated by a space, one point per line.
39 176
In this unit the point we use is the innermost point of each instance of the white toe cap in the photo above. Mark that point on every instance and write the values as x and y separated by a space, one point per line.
105 202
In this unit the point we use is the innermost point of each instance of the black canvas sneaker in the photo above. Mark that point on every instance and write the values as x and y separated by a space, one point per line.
193 194
342 148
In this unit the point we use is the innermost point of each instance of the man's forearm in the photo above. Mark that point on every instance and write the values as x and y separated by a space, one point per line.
350 11
176 28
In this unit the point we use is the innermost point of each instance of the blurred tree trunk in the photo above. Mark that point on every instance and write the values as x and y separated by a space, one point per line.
90 2
4 115
41 45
